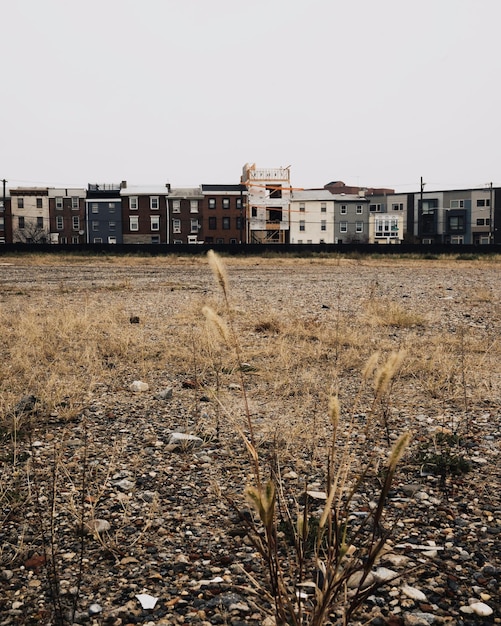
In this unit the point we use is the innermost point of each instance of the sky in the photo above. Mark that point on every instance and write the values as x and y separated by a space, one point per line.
373 93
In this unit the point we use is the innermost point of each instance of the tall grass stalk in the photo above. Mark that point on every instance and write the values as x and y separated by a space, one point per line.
318 560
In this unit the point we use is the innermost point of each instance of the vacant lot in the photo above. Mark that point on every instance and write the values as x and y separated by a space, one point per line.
100 504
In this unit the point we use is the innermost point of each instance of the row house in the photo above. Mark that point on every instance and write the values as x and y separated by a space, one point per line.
223 214
144 214
103 213
268 203
29 214
184 215
464 216
5 215
262 208
318 216
67 222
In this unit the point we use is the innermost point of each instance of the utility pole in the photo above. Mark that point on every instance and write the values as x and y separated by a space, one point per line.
420 214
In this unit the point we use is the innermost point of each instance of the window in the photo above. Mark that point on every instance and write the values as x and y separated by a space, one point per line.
193 206
302 207
480 221
194 226
20 204
155 222
483 202
75 203
226 203
154 203
59 222
323 225
39 222
375 208
133 222
385 227
76 222
112 225
212 203
94 207
1 205
239 204
212 223
323 207
192 239
176 226
59 203
456 222
133 203
219 240
359 227
397 206
176 206
111 206
95 225
155 239
360 209
39 203
112 239
302 225
275 191
343 227
97 240
457 204
239 223
2 223
344 209
254 211
74 240
233 241
20 222
226 223
300 241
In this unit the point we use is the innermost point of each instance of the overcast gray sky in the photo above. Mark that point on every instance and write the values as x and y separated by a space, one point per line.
374 93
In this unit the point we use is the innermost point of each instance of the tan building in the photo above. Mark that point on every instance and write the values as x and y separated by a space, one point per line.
30 215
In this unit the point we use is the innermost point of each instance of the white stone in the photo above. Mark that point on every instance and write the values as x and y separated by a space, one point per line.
413 593
138 386
383 574
480 608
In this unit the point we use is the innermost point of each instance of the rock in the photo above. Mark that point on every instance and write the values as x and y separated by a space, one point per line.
185 440
138 386
480 608
125 484
419 619
413 593
95 609
134 319
98 525
383 574
165 394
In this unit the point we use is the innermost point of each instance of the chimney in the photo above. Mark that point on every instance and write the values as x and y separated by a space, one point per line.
123 184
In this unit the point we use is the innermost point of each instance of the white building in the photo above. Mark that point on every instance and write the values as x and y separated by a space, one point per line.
268 199
312 216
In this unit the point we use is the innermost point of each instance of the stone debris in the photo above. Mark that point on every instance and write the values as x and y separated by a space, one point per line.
157 516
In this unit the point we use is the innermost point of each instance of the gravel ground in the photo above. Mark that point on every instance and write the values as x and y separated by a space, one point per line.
165 529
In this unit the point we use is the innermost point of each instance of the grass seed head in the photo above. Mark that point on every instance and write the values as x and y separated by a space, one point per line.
219 270
216 322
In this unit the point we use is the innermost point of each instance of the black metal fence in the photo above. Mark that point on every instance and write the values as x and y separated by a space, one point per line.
425 250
